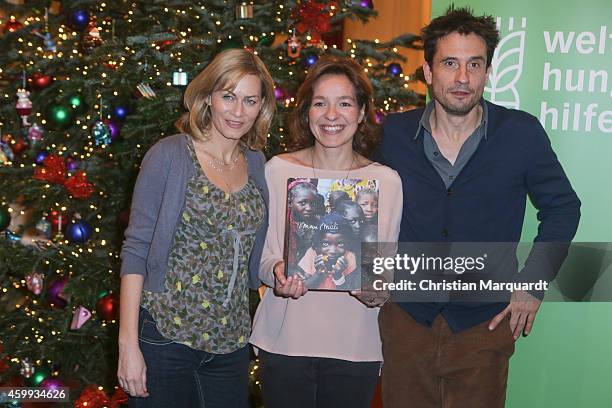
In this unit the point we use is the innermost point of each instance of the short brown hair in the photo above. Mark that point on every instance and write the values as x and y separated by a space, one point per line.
367 136
224 72
462 21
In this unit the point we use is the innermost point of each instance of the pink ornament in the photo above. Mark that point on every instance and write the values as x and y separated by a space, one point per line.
35 133
34 283
80 316
23 106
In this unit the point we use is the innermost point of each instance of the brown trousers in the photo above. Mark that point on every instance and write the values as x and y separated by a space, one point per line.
434 368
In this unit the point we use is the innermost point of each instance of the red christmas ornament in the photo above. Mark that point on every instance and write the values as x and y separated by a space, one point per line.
54 170
12 25
78 186
108 307
40 81
18 145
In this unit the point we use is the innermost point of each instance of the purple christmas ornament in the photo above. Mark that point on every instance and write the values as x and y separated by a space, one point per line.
279 93
54 293
71 163
114 128
52 384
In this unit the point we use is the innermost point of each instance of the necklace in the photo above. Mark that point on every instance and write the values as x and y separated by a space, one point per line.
220 165
313 168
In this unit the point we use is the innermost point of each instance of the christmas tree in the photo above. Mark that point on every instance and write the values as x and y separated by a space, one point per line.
87 87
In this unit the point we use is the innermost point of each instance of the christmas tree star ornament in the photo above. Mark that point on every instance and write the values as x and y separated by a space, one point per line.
79 318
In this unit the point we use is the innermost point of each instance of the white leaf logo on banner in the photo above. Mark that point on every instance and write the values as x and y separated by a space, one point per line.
507 66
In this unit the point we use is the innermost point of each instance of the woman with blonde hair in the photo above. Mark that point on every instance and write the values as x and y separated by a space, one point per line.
193 244
319 348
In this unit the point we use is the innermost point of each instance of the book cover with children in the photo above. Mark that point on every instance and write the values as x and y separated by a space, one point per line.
327 221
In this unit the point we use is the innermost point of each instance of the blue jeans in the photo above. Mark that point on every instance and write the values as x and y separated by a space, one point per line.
179 376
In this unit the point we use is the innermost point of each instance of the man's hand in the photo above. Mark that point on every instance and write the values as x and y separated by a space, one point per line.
522 308
371 297
292 287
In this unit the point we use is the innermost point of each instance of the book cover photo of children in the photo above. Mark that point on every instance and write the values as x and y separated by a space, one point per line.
326 225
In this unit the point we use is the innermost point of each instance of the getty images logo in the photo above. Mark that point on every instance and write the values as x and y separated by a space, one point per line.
507 64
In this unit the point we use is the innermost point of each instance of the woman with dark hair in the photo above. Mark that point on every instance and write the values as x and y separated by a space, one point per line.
193 244
322 348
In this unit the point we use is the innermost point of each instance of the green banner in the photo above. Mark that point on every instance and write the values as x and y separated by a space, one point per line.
554 61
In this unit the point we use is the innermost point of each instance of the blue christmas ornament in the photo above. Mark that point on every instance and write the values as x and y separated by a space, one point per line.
44 227
120 112
394 69
310 60
78 231
79 19
41 156
101 133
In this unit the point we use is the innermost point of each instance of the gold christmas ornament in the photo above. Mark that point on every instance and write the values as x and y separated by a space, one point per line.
244 10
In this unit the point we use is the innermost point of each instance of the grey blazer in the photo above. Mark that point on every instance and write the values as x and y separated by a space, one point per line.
158 201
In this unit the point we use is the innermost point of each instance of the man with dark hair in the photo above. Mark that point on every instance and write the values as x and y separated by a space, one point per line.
467 168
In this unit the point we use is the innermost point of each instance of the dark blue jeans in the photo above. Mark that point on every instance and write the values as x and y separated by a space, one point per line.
316 382
179 376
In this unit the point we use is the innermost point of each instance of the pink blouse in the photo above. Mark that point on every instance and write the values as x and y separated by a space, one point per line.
320 324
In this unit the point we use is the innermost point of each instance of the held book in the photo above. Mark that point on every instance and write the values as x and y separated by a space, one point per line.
327 220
